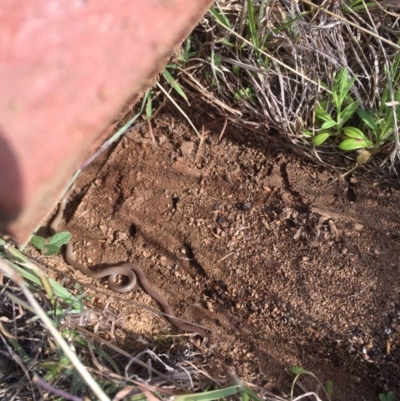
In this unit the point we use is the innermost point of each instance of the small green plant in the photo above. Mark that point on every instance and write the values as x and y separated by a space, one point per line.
344 108
389 396
375 127
247 93
298 371
186 52
381 122
53 245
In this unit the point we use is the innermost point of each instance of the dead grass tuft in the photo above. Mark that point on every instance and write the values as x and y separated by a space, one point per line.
267 64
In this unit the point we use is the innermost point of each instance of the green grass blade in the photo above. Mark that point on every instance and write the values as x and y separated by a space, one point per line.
271 57
329 388
111 140
126 126
180 109
174 84
210 395
9 271
252 23
138 397
15 344
82 342
59 290
244 395
149 108
261 10
284 26
251 394
221 17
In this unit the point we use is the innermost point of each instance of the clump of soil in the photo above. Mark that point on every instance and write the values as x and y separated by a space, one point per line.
286 262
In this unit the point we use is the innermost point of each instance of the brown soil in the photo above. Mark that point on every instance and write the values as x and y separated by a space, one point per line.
288 263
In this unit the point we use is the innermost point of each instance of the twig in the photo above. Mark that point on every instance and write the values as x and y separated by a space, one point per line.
223 130
339 17
202 136
48 387
135 360
151 132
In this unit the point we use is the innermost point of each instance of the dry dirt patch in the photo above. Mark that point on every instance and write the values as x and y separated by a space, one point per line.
290 265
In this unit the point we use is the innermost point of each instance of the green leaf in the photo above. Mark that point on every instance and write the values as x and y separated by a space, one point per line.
342 85
368 121
297 370
328 124
336 100
60 239
339 80
390 396
174 84
348 112
353 132
51 250
353 144
329 387
322 114
37 241
321 138
349 85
